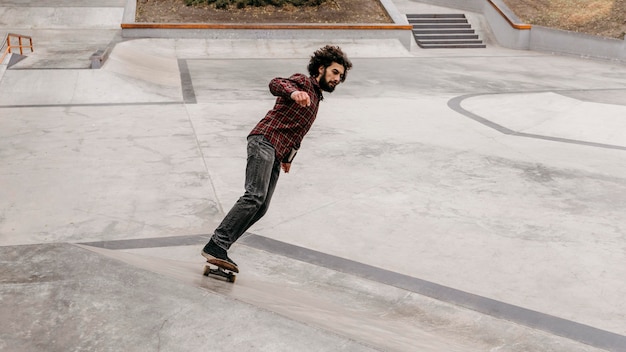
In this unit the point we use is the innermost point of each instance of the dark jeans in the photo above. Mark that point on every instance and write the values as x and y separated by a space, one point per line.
262 171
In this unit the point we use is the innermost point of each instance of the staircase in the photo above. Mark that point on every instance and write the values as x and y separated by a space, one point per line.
436 31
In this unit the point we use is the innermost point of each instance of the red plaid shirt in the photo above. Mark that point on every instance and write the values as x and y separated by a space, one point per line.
287 123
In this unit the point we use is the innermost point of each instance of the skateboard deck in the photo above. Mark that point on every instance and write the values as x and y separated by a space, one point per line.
215 267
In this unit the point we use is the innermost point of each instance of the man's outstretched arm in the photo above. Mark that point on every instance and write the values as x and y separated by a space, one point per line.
290 88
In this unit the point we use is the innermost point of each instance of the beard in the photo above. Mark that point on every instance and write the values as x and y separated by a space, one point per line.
324 85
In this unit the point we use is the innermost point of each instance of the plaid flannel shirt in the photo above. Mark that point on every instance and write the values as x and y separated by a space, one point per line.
287 123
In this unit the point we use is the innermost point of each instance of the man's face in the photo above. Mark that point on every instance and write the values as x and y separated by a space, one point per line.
330 76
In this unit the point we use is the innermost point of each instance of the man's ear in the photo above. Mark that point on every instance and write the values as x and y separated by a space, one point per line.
321 69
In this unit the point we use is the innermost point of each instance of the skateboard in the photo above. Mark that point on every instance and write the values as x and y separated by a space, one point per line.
217 268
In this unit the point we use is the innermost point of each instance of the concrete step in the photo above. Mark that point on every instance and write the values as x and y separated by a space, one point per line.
452 42
446 36
442 26
443 31
436 15
451 46
453 20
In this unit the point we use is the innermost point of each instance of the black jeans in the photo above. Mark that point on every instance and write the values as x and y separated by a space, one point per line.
262 171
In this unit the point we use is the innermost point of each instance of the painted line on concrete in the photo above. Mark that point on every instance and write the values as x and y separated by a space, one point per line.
455 104
189 94
155 242
558 326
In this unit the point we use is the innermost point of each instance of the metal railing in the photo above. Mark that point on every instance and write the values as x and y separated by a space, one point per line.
7 47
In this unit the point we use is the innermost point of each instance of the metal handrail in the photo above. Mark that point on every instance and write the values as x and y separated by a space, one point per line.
9 47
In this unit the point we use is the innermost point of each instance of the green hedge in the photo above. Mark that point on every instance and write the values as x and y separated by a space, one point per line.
222 4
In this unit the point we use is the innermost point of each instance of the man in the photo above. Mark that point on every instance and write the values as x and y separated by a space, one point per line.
273 144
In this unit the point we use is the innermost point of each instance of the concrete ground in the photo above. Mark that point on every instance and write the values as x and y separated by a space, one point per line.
445 200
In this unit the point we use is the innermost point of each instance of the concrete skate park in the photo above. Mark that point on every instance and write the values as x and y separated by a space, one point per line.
444 200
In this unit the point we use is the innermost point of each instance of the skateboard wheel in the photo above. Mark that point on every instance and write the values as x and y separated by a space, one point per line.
226 275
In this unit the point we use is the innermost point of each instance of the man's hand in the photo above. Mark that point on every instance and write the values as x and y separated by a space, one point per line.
286 167
302 98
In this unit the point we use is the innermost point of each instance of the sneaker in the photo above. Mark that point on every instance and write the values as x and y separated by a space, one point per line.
216 255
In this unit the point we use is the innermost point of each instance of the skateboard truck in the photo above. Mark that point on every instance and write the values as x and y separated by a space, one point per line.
212 269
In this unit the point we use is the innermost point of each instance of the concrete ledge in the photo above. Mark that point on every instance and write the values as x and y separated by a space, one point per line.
506 27
573 43
400 29
98 58
261 26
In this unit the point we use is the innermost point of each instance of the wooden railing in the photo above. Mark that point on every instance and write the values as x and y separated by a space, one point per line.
518 26
7 47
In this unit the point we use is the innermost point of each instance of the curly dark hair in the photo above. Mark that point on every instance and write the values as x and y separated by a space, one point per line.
325 56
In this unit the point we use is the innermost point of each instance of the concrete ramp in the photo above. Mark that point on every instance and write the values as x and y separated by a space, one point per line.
72 299
65 33
374 314
128 76
157 68
65 48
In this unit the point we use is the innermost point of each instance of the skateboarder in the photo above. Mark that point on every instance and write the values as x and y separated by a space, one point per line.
274 142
